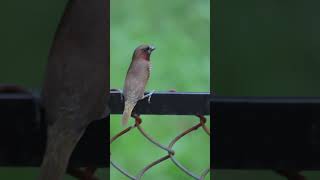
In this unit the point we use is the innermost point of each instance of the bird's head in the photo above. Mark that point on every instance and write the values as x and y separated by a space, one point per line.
143 52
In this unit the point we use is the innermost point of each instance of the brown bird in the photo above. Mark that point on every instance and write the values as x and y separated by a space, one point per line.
76 87
136 80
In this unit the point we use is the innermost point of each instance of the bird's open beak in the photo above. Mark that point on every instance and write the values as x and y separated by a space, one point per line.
151 48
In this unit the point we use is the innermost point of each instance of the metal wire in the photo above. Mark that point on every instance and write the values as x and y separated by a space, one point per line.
169 149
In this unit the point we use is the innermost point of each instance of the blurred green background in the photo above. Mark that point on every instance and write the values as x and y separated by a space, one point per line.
180 31
265 48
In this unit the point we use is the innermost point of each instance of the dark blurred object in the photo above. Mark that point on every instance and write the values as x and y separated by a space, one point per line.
23 133
13 88
265 133
76 84
291 175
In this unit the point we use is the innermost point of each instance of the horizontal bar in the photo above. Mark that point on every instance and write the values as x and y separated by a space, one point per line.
166 103
23 133
162 103
266 100
266 132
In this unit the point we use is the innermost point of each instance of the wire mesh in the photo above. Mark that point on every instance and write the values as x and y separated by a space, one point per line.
169 149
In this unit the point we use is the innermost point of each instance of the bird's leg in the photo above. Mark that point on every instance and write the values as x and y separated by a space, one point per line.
148 95
121 93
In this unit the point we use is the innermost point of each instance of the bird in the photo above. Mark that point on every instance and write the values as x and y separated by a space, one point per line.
75 87
136 79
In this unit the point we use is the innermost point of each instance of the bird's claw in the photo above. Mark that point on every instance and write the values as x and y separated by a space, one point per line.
149 96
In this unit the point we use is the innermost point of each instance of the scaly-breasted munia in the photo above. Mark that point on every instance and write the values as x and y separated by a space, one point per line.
136 79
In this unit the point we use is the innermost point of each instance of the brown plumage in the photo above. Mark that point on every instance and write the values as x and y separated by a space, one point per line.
76 82
136 79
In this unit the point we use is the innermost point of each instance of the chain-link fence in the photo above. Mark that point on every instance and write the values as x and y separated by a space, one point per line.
168 148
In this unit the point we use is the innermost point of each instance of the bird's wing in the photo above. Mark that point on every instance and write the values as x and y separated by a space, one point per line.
136 80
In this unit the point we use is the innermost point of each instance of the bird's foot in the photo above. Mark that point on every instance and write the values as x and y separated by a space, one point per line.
149 96
121 93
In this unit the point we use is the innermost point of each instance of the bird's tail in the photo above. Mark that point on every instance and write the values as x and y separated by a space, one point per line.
60 145
128 107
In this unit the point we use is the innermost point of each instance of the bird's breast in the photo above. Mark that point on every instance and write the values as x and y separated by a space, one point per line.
150 68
